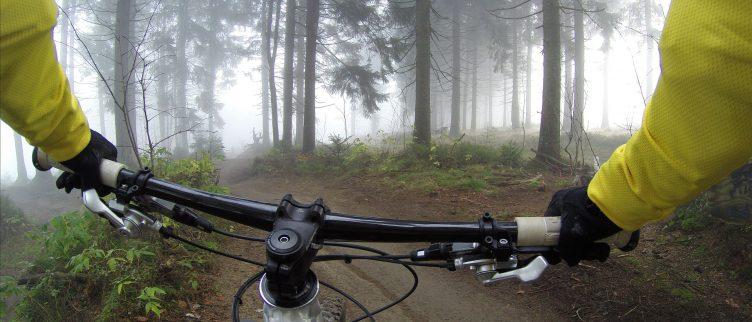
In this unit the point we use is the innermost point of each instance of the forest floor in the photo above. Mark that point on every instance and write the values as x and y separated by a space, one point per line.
671 275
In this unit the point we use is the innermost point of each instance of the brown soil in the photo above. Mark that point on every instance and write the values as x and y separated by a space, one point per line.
655 282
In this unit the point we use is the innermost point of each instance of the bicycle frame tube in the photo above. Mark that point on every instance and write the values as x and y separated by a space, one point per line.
310 311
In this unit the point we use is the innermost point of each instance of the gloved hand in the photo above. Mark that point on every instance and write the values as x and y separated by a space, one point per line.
582 223
86 166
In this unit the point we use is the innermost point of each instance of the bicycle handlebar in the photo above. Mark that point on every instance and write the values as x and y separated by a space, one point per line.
524 231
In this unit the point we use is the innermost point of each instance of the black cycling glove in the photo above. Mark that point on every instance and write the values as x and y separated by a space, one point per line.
582 223
86 166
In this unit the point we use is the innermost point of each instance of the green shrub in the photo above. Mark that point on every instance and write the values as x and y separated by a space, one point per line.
694 215
510 155
199 172
12 219
84 264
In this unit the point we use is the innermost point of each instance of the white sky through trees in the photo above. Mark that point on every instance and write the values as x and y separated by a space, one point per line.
241 100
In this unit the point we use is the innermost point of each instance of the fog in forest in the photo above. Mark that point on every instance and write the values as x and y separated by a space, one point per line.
196 72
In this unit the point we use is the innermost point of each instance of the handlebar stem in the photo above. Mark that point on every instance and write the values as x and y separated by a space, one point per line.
290 249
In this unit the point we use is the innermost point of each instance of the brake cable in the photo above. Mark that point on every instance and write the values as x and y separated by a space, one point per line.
384 257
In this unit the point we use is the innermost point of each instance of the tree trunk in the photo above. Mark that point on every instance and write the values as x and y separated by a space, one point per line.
491 90
272 55
212 67
163 99
463 110
649 48
515 78
504 101
64 31
299 80
549 138
529 74
604 117
578 123
422 130
288 80
353 119
102 101
181 78
265 40
312 30
125 114
454 129
568 94
71 71
474 106
23 176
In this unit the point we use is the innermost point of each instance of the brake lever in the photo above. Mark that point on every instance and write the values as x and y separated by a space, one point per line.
94 204
528 273
130 221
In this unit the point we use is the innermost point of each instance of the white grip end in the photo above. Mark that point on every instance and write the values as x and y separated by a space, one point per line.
108 170
538 231
544 231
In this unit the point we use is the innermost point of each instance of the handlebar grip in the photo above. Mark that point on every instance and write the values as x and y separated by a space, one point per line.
108 169
544 231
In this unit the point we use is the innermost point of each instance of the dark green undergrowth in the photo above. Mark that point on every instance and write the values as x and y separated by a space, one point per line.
82 270
455 165
730 242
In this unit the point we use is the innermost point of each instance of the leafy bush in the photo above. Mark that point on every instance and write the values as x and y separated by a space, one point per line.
694 215
84 264
12 219
199 172
86 271
510 155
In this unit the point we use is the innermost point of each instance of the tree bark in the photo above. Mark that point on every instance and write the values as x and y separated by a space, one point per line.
504 101
272 55
515 78
568 93
265 40
422 130
529 74
454 129
64 31
474 104
463 110
71 64
102 101
125 114
549 138
649 48
300 79
491 88
181 78
604 116
578 123
288 80
23 176
163 99
312 29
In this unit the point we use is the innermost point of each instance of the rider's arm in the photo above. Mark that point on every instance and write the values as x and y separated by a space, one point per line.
35 98
697 127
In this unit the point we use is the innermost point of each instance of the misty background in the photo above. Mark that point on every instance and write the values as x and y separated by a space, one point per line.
226 37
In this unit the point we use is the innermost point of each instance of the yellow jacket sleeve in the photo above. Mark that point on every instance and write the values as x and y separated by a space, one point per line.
697 127
35 98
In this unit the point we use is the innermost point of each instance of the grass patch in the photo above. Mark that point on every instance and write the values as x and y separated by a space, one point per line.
684 295
82 270
450 165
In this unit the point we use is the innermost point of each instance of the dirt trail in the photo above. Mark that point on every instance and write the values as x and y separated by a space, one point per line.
647 284
441 295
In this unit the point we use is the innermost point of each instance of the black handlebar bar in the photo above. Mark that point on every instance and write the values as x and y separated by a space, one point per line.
337 226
